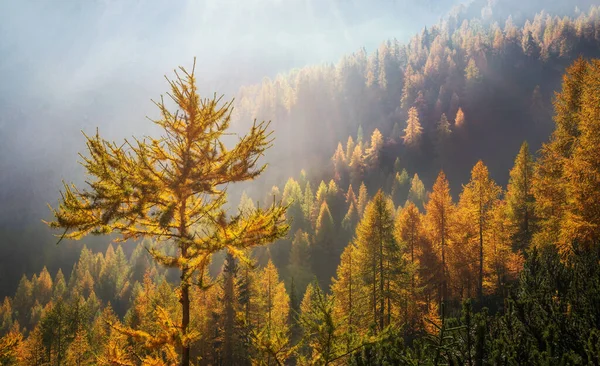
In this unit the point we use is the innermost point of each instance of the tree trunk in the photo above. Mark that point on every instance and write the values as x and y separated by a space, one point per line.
349 304
480 288
381 277
185 318
443 235
185 288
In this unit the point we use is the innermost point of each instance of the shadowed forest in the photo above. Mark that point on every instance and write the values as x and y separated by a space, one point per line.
432 202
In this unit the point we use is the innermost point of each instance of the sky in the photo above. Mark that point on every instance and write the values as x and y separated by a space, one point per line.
68 66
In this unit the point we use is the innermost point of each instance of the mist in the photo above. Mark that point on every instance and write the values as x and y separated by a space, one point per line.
71 66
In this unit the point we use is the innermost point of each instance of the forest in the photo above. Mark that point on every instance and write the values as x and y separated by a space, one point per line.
430 203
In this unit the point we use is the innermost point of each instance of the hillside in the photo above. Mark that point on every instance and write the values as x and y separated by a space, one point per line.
502 75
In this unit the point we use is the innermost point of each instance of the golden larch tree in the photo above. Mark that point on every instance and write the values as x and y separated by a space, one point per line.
478 199
173 189
438 218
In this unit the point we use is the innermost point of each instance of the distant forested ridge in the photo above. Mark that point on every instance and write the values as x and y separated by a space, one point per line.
501 74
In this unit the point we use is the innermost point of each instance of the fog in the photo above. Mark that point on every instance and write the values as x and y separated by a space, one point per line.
68 66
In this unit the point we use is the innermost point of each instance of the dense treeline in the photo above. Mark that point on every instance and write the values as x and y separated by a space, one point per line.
493 277
501 77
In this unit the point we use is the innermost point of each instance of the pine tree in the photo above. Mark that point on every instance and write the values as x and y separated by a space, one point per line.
413 130
519 198
163 187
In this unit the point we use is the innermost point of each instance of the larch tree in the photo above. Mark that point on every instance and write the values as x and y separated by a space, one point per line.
349 149
10 344
321 194
438 217
379 259
502 264
308 202
581 172
349 296
173 189
459 120
478 198
350 196
400 187
374 151
351 218
408 231
320 328
323 251
359 135
413 130
356 164
339 163
363 199
230 332
549 187
443 133
416 194
519 198
270 336
299 267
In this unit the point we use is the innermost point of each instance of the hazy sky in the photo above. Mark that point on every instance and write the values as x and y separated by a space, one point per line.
72 65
